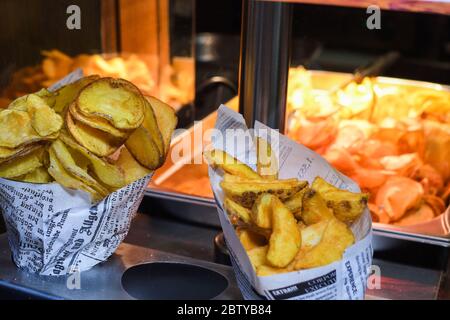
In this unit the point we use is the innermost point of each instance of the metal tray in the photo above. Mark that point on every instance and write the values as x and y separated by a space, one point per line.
201 208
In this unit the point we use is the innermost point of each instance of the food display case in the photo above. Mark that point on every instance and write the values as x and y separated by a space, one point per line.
373 102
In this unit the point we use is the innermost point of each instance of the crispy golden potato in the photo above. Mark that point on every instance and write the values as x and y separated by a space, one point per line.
315 208
221 159
16 129
295 203
110 175
44 119
151 125
251 240
70 166
347 206
265 270
312 234
236 209
262 211
257 256
64 96
39 175
143 148
267 163
165 118
7 154
61 176
98 123
286 239
336 238
21 165
115 100
130 167
96 141
246 192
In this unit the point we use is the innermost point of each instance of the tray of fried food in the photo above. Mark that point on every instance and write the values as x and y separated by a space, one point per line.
285 224
95 134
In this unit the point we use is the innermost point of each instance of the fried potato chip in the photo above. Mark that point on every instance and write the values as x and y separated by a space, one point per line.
286 239
39 175
336 238
143 148
236 209
63 97
115 100
108 174
165 118
347 206
70 166
16 129
151 125
98 123
246 192
43 118
315 208
7 154
267 163
61 176
96 141
130 167
221 159
22 165
251 240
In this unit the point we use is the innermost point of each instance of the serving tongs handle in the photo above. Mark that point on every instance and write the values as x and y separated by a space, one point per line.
374 68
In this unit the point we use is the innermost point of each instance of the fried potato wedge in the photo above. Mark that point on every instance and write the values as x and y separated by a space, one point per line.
143 148
236 209
336 238
115 100
246 192
39 175
262 211
267 162
286 239
257 256
96 141
315 208
61 176
251 240
66 160
312 234
265 270
295 203
221 159
97 123
130 167
109 174
165 118
347 206
22 165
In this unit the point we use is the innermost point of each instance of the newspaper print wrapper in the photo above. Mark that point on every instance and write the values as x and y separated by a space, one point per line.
57 231
344 279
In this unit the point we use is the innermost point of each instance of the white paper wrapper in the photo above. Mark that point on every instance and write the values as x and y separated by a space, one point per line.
344 279
56 231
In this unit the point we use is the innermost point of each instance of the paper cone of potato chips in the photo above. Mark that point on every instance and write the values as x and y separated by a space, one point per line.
342 279
56 230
